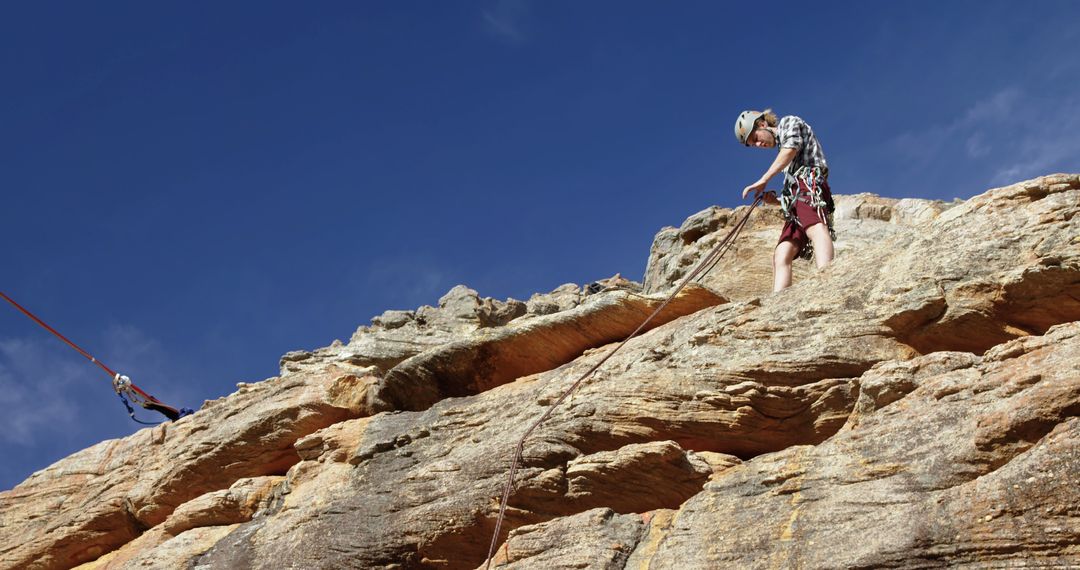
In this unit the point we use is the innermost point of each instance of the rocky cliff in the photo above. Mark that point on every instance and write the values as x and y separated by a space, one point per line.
915 404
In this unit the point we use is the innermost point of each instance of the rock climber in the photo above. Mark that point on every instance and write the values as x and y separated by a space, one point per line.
806 201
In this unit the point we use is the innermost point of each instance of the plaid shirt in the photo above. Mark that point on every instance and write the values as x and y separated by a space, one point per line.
793 132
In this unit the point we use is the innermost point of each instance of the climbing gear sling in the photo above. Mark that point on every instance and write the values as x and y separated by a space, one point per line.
121 384
702 268
812 178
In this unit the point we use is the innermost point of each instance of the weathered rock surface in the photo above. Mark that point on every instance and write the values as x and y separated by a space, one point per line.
914 404
194 527
651 475
397 335
974 464
745 271
111 493
609 539
100 498
491 358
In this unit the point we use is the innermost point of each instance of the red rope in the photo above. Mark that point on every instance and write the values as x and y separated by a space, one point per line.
709 261
59 336
88 356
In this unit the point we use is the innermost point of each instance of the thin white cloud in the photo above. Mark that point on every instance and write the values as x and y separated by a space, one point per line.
508 20
149 365
970 126
1022 135
1052 147
414 280
33 391
999 107
41 381
134 349
977 146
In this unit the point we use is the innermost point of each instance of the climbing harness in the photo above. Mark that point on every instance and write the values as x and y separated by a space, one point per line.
702 268
121 384
812 178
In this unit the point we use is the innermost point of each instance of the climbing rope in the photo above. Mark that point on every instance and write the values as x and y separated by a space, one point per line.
121 384
702 268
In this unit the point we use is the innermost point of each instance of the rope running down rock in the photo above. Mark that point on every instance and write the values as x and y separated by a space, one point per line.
702 268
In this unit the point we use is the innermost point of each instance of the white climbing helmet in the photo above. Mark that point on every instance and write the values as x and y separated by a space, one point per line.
744 125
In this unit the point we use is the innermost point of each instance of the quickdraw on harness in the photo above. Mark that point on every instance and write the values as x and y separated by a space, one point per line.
122 384
701 270
812 178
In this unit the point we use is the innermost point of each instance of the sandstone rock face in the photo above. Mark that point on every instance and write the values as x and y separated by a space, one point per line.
100 498
488 359
975 465
397 335
746 271
557 544
915 404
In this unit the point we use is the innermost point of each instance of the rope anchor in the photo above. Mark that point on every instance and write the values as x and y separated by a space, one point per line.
121 384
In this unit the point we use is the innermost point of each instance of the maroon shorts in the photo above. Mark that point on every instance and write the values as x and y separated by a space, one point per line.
807 215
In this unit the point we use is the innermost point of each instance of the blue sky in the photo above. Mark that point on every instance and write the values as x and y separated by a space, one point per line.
192 189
